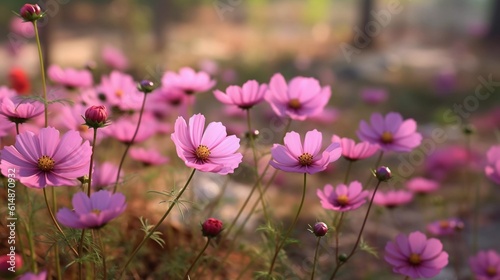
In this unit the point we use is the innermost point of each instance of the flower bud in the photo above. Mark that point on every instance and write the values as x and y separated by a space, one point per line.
320 229
10 260
342 257
96 116
146 86
31 12
211 227
383 174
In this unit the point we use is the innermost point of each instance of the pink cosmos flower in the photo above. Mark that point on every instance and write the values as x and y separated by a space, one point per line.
492 170
449 159
20 110
94 211
21 27
392 199
208 151
328 116
104 175
245 97
422 185
121 91
416 256
188 80
114 58
445 227
343 198
70 78
352 151
32 276
485 265
45 160
390 133
301 98
170 95
307 158
124 128
373 96
148 157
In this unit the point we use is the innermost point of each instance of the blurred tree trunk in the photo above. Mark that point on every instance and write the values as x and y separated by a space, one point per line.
160 16
366 16
493 34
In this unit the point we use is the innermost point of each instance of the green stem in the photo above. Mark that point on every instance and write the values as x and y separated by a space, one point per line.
31 244
315 257
337 233
57 262
278 248
103 255
150 232
42 70
349 165
186 275
91 167
359 235
80 253
377 163
130 143
256 163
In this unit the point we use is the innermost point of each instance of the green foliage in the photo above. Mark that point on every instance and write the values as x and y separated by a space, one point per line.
156 236
363 246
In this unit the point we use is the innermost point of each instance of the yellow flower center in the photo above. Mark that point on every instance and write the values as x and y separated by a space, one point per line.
387 137
294 103
415 259
305 159
444 224
202 152
491 271
46 163
96 211
83 128
343 200
119 93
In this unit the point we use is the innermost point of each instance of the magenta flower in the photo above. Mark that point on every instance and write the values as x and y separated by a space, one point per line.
114 58
245 97
188 80
210 150
445 227
352 151
301 98
123 129
422 185
148 157
170 95
45 160
390 133
343 198
104 175
392 199
32 276
416 256
211 227
70 78
307 158
21 27
374 96
492 170
20 110
94 211
121 91
485 265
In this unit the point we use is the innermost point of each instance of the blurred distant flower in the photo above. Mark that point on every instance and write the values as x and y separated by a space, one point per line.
104 175
19 81
70 117
448 159
492 169
94 211
170 95
209 65
445 81
416 256
328 116
4 265
69 77
245 97
307 158
114 58
148 157
207 150
422 185
374 96
485 265
445 227
120 90
390 133
300 99
392 199
211 227
31 12
187 80
21 27
6 92
20 110
352 151
343 197
32 276
124 128
47 160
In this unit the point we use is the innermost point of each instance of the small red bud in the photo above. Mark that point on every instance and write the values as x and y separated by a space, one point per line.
31 12
96 116
211 227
